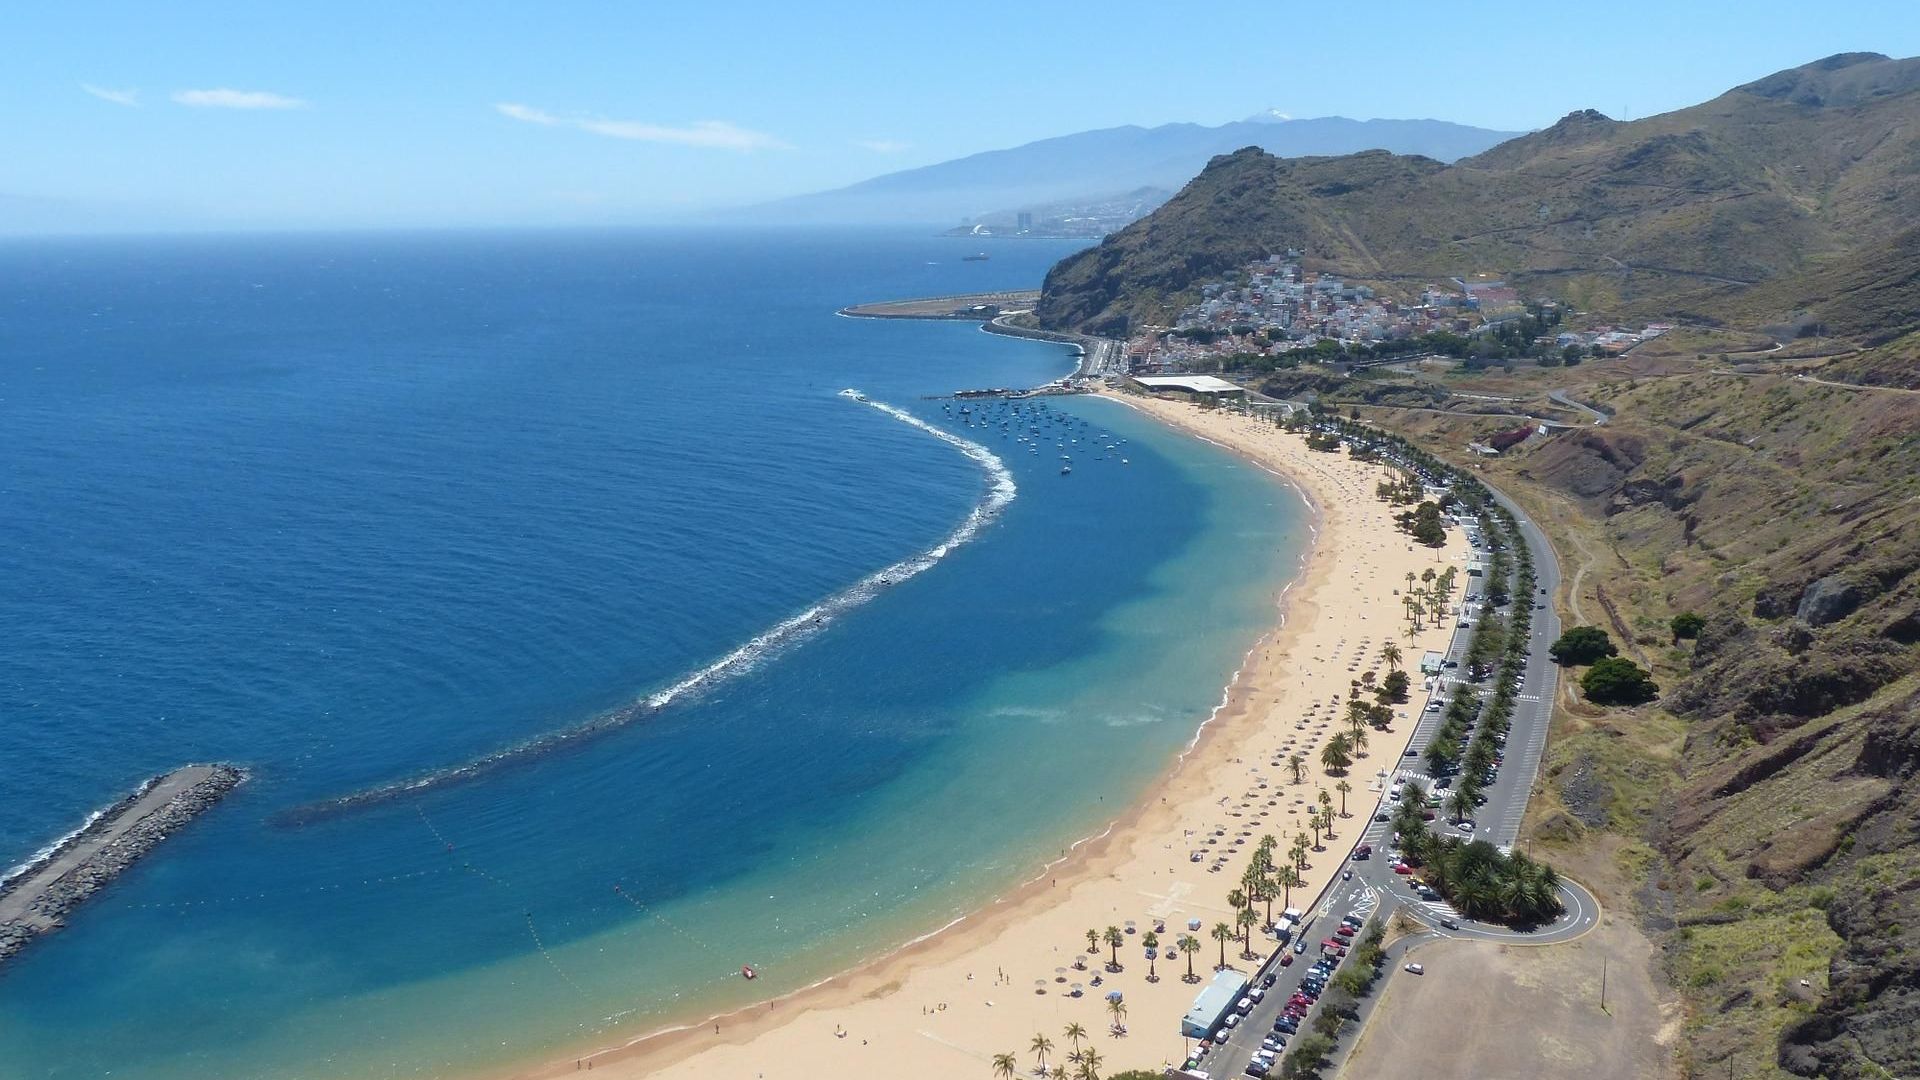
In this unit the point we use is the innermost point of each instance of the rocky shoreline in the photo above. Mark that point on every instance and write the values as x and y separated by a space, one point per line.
38 900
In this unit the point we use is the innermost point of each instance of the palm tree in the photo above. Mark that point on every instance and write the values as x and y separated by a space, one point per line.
1222 933
1267 884
1041 1047
1460 804
1189 945
1118 1010
1090 1064
1059 1073
1289 880
1343 787
1246 919
1300 848
1391 654
1326 821
1151 941
1297 765
1114 940
1237 899
1093 941
1357 739
1005 1065
1073 1034
1334 755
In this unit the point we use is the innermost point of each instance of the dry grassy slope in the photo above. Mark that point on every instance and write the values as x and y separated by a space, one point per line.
1778 177
1779 779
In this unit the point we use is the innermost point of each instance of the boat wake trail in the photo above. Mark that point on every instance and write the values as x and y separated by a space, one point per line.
796 628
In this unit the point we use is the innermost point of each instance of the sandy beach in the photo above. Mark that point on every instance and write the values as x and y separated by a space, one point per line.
943 1007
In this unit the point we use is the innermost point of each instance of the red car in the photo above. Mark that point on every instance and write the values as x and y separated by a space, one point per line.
1286 959
1344 931
1402 868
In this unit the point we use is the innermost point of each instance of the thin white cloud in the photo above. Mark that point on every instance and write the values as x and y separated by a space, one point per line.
224 98
884 146
708 134
129 98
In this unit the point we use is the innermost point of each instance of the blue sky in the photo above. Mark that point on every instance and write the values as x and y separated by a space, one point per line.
197 115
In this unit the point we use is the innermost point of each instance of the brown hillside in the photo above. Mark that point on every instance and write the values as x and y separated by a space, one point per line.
1776 178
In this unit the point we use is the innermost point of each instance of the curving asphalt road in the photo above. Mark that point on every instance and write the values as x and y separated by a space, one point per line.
1370 887
1560 397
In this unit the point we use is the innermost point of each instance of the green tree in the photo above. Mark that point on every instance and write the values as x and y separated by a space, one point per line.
1297 767
1041 1047
1334 756
1114 940
1246 920
1616 680
1151 942
1222 933
1005 1065
1392 655
1073 1034
1307 1056
1189 945
1581 645
1343 788
1395 686
1093 941
1686 626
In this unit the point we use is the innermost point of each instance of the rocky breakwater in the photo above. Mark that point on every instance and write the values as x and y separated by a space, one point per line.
38 897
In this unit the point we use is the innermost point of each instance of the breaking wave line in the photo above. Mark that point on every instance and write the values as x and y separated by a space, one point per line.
1000 491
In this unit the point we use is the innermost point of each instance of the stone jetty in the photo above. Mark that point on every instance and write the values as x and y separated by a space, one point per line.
38 899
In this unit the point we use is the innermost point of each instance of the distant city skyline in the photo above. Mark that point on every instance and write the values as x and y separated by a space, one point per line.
218 116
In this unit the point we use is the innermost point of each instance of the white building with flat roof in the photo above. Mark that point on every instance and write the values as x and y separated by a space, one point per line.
1191 384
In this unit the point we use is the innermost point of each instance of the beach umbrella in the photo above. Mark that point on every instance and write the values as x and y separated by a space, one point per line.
1114 995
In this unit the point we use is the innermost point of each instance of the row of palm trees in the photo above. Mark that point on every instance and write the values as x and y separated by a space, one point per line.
1085 1060
1429 601
1474 876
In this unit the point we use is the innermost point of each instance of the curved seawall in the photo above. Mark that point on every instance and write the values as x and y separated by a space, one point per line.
1001 490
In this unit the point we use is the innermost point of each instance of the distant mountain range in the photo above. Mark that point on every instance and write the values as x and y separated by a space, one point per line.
1774 202
1110 164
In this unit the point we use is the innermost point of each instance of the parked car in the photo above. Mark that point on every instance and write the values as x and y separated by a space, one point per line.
1416 969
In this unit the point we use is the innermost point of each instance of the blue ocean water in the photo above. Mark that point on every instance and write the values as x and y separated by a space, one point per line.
349 510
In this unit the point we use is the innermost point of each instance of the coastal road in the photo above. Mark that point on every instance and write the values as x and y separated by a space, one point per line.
1373 889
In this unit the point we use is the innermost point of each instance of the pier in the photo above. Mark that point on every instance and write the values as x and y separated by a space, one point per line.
975 307
39 898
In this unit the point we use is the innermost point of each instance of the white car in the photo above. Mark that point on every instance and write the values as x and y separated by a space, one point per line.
1416 969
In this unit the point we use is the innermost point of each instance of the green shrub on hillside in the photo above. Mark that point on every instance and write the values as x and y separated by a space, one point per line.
1581 645
1616 680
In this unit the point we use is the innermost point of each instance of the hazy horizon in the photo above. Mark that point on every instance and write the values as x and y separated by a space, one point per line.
221 117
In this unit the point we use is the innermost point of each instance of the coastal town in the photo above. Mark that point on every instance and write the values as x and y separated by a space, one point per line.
1275 312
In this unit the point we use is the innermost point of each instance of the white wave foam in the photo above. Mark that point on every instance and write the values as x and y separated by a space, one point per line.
1000 491
40 857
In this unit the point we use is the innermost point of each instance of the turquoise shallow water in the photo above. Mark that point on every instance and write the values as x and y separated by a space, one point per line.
350 510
